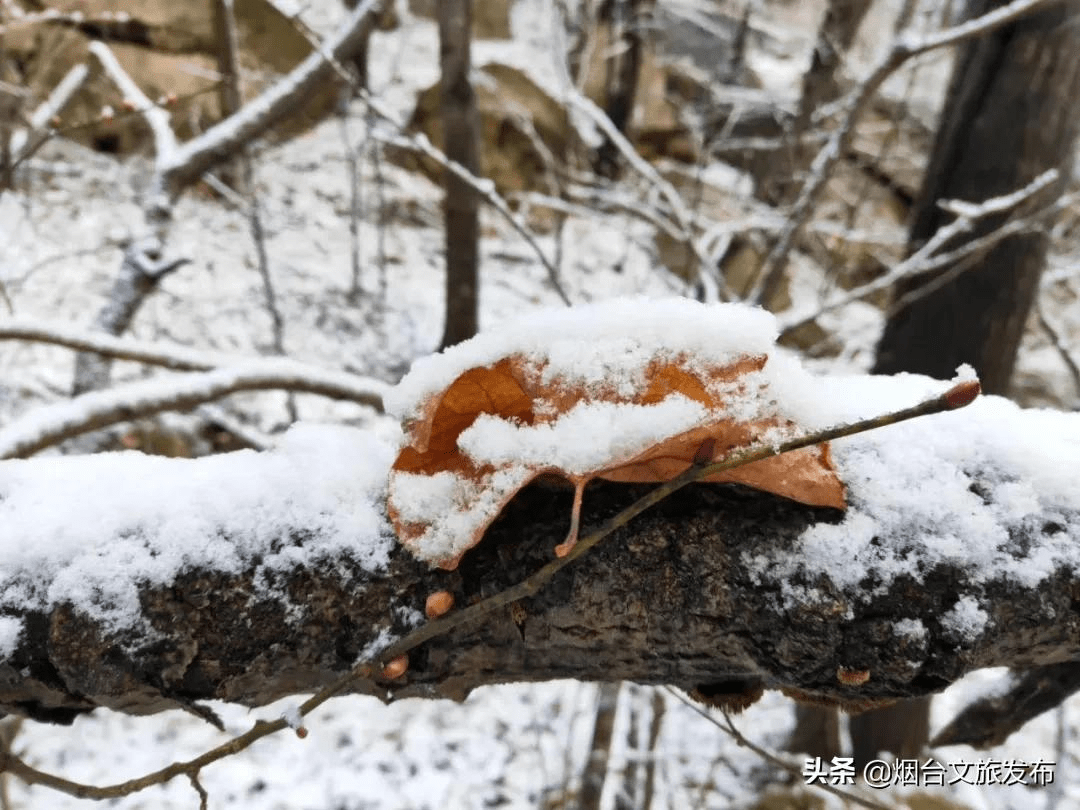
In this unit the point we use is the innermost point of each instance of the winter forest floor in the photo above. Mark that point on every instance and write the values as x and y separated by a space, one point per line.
512 746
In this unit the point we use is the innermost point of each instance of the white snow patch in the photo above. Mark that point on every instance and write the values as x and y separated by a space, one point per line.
585 438
292 717
609 343
966 619
910 628
10 631
453 507
954 488
105 525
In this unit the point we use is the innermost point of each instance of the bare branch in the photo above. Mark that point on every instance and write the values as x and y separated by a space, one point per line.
156 117
226 138
904 48
484 187
1059 343
924 259
728 727
1017 698
686 222
51 424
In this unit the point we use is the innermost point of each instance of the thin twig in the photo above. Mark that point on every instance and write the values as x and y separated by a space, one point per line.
1059 344
484 187
924 259
195 783
420 143
728 727
684 219
51 424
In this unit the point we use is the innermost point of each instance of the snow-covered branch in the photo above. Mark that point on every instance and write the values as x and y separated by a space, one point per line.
176 357
125 574
226 138
25 142
156 117
51 424
928 258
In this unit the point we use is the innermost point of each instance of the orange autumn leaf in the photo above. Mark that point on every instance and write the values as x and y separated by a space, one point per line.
472 446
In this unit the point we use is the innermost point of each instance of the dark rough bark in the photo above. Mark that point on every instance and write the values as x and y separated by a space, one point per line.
1011 113
461 133
670 599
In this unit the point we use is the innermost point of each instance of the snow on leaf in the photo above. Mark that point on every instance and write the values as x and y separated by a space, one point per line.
625 391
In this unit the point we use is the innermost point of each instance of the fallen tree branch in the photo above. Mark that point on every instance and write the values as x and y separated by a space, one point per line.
683 595
52 424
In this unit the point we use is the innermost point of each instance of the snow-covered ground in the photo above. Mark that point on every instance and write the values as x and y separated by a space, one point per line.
513 746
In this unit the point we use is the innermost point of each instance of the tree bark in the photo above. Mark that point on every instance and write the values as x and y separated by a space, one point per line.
461 133
1011 113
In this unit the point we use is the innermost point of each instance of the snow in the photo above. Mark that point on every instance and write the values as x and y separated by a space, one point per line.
90 530
585 438
10 631
965 619
910 629
292 717
604 344
952 488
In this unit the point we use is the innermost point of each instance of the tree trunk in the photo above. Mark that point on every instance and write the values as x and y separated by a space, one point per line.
596 767
628 18
1011 113
781 171
461 135
816 732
